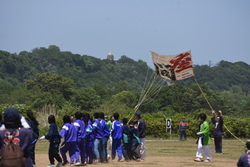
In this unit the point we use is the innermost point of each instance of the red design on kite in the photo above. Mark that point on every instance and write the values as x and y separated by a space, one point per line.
182 62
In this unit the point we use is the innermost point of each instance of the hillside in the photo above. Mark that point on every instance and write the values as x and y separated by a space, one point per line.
86 70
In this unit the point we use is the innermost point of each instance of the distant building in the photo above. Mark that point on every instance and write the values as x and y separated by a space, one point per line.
110 56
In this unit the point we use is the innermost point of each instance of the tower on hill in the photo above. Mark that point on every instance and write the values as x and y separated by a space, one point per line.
110 56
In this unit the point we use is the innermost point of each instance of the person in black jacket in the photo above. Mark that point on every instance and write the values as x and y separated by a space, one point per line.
218 131
141 126
54 140
134 141
244 160
34 126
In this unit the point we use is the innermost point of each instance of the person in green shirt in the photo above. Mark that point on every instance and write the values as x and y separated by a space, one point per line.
204 140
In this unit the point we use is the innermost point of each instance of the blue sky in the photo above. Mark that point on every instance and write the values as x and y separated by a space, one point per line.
213 30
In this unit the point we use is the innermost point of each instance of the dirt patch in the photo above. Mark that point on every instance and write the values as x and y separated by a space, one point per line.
42 161
166 153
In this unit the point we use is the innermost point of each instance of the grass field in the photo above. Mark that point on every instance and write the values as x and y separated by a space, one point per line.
167 153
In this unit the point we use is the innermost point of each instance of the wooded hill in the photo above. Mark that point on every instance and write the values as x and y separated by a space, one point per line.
87 70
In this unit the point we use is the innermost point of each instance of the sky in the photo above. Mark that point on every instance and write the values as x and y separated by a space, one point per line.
213 30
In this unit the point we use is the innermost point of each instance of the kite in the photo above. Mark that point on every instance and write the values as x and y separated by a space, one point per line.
175 67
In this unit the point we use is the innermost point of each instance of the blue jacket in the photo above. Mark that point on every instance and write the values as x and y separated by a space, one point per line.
69 133
97 129
80 128
116 130
106 131
89 131
53 135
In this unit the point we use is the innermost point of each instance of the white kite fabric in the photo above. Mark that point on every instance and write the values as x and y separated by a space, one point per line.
174 67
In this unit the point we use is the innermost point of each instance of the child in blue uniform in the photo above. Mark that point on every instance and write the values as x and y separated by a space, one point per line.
116 133
98 132
90 137
69 134
104 140
80 129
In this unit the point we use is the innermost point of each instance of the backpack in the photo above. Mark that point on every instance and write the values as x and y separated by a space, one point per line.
12 154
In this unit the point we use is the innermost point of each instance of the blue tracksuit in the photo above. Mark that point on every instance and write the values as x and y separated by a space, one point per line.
116 136
104 140
69 134
80 129
97 130
90 137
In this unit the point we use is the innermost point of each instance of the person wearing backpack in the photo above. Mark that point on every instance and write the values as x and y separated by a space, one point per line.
18 137
54 142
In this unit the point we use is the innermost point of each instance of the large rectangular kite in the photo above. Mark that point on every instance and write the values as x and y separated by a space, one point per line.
175 67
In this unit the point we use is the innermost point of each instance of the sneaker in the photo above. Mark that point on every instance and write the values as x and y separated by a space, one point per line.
207 160
197 160
72 165
78 164
138 160
120 160
65 163
51 165
59 164
97 161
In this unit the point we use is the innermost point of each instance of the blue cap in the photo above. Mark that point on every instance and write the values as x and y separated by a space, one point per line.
137 114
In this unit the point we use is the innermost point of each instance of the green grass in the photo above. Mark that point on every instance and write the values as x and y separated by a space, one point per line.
156 147
175 152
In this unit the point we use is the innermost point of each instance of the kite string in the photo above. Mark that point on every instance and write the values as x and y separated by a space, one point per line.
215 113
143 98
152 95
144 85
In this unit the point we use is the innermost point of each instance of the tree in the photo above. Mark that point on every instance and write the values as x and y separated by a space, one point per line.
52 83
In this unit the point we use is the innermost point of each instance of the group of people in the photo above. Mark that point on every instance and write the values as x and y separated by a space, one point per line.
86 139
204 139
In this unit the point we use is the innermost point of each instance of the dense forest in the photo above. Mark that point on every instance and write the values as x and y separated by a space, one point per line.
49 80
